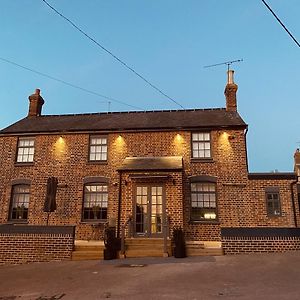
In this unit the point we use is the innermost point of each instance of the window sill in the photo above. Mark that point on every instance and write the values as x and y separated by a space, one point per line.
97 162
204 222
93 222
202 160
16 222
23 164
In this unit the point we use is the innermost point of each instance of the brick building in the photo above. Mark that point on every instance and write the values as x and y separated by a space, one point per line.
183 168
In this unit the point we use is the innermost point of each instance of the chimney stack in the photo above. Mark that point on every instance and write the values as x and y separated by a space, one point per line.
35 104
230 92
297 162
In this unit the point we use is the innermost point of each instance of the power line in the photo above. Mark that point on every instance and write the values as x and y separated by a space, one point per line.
111 54
277 18
69 84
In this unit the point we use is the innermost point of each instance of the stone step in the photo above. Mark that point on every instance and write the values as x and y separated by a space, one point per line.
145 241
145 253
204 252
87 255
88 248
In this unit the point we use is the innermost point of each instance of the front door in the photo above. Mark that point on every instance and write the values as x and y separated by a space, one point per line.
149 210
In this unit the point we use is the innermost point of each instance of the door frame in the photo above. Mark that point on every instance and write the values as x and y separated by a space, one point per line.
149 234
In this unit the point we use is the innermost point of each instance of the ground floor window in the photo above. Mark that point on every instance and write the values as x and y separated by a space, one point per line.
19 202
203 201
95 201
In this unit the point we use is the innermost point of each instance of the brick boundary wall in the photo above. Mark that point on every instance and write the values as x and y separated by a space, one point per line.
260 240
21 244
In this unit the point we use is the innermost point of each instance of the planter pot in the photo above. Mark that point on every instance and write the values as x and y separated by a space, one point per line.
109 254
179 251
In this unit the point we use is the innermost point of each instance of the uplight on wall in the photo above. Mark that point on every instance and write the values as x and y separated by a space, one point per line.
120 144
60 148
178 144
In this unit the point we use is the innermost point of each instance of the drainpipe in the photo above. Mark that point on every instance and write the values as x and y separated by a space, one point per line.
245 138
119 204
293 202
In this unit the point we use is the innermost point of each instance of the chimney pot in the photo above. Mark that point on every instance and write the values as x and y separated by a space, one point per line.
230 78
230 92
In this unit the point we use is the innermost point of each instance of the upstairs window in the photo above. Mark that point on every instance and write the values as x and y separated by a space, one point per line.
273 202
203 201
98 148
19 202
95 202
25 151
201 145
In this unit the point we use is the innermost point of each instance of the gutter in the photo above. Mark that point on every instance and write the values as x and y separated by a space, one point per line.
246 150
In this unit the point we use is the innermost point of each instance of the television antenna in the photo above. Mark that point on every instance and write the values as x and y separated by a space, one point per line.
228 63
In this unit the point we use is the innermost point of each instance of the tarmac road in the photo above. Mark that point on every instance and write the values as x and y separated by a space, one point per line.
255 277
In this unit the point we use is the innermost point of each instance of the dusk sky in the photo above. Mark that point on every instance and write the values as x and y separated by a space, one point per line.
168 42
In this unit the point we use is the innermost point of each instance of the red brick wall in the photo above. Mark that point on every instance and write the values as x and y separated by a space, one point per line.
240 245
256 214
240 201
24 248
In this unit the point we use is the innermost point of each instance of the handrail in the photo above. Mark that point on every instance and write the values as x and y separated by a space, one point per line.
127 223
166 233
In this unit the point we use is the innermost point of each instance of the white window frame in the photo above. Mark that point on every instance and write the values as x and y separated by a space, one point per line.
98 148
26 149
201 145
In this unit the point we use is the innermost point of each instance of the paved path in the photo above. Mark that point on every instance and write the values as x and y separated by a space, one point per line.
255 277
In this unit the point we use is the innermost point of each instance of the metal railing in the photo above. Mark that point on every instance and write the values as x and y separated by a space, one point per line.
166 234
127 224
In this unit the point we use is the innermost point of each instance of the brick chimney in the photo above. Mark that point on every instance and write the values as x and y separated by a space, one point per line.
297 162
35 104
230 92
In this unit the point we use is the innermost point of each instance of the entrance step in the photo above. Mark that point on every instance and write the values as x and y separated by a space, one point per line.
145 247
88 250
206 248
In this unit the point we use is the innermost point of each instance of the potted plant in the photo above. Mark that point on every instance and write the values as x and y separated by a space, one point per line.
179 243
111 242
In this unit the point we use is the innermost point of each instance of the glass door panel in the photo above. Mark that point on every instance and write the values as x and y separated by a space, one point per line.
149 210
141 210
156 209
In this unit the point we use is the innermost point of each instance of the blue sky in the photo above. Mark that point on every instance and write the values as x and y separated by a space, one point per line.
168 42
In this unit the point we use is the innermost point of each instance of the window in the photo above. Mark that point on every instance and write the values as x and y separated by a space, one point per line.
25 150
19 202
273 203
98 148
201 145
203 201
95 201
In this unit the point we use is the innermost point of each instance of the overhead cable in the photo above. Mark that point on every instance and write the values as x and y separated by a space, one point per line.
280 22
111 54
69 84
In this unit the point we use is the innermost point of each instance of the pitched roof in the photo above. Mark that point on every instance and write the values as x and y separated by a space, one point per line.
119 121
152 163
